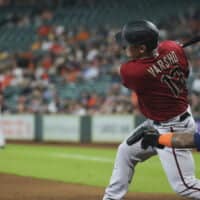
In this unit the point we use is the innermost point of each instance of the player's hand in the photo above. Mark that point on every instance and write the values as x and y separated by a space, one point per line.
139 133
150 139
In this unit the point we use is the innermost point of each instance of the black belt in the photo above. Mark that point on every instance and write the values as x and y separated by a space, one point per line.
184 116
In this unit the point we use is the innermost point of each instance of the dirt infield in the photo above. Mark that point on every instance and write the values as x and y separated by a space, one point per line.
25 188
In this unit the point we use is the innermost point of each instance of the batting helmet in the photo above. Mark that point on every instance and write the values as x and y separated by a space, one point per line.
138 32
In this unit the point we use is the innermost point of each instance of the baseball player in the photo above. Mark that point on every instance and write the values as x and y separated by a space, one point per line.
157 73
175 140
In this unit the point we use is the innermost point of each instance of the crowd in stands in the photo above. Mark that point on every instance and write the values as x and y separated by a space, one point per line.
38 80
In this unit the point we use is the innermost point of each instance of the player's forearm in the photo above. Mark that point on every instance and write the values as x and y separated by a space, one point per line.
183 140
180 140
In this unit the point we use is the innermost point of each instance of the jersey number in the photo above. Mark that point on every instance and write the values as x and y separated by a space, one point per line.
175 80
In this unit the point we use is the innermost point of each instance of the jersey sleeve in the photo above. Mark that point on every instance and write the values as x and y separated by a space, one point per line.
167 46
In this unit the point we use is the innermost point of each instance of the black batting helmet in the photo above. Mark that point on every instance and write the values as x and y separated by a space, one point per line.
138 32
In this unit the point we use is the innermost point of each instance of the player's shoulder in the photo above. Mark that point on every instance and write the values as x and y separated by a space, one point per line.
127 66
128 63
169 44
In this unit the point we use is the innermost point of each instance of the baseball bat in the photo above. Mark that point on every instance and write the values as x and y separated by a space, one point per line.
191 41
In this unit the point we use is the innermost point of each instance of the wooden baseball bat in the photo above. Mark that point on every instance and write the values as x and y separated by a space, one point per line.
191 41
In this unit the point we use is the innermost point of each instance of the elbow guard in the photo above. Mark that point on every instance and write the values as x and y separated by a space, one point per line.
197 141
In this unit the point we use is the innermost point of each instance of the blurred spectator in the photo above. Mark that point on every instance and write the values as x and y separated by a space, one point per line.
195 103
3 107
196 85
21 105
76 71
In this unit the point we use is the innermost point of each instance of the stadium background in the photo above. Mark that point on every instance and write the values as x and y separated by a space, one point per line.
59 82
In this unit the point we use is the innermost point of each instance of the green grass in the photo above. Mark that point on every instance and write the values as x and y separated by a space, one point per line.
91 166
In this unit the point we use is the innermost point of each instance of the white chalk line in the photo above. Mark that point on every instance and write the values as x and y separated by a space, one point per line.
73 156
84 157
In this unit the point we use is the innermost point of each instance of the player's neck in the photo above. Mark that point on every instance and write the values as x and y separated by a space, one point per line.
148 55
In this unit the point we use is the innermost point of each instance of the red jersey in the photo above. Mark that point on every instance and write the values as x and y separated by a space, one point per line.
159 82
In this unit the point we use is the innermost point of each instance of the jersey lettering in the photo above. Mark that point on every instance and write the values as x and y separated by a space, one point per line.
175 80
162 64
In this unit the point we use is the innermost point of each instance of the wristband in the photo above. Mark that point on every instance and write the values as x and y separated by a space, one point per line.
166 139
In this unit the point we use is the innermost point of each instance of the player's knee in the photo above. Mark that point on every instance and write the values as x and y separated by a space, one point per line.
122 148
125 151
